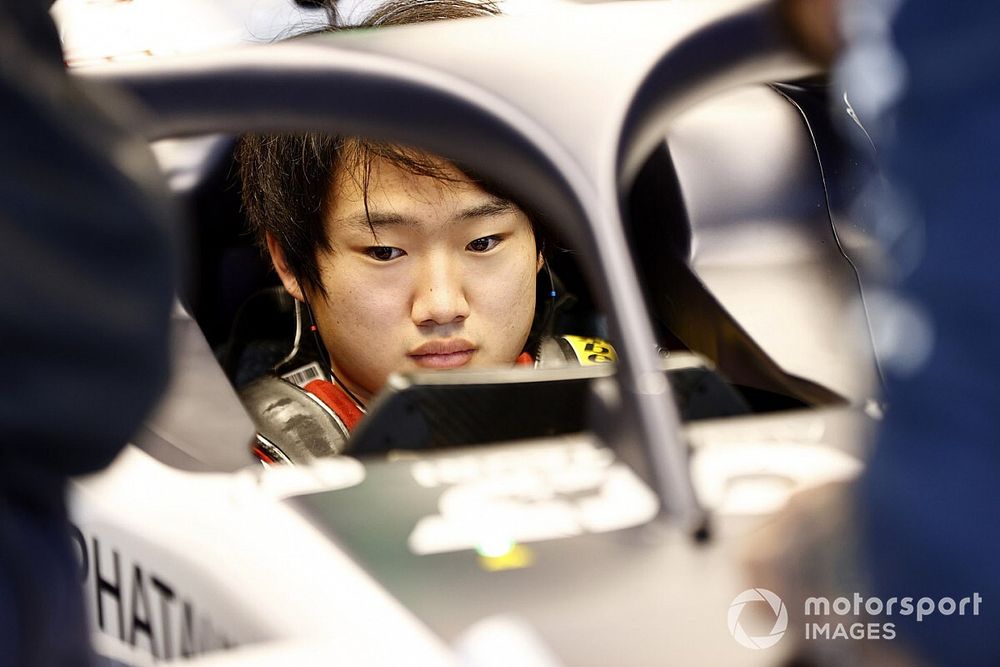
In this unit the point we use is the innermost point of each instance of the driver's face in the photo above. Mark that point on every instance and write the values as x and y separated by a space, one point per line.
446 281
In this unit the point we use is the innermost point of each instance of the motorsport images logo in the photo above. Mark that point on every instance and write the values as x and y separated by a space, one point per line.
780 618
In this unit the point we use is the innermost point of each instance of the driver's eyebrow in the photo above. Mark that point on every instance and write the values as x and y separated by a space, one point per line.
376 220
495 206
381 220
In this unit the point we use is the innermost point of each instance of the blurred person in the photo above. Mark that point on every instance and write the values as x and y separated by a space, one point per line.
87 285
918 523
930 485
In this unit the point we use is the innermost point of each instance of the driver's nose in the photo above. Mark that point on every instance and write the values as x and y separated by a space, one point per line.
439 293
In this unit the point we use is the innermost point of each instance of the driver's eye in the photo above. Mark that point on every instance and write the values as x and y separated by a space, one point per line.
483 244
383 253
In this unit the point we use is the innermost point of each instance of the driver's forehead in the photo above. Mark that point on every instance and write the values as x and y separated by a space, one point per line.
381 187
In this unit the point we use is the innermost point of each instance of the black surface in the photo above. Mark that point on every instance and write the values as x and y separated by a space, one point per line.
516 406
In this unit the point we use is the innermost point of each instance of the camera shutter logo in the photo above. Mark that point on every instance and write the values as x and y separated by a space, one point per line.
780 618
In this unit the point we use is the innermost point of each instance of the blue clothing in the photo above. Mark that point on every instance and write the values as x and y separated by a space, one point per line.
931 491
86 275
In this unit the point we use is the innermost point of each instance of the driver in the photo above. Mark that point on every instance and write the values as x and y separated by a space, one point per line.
405 261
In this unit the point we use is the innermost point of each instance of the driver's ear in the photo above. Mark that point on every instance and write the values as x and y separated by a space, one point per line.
288 278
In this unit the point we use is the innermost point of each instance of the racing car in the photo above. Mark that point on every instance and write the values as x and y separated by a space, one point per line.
556 516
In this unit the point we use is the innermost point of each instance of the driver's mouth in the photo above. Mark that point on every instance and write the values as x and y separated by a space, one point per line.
443 354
